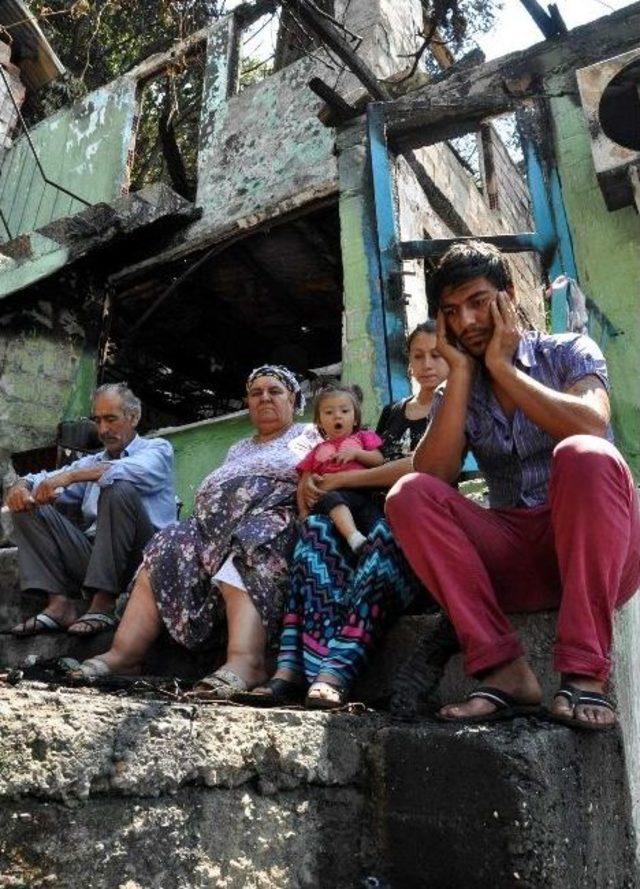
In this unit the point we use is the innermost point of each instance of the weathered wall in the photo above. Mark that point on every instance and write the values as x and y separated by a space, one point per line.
264 152
40 358
607 252
388 29
512 215
363 343
514 203
83 148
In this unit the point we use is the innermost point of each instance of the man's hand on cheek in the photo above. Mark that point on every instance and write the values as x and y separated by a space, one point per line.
456 358
506 333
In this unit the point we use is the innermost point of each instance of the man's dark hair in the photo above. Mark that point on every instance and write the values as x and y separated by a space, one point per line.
465 261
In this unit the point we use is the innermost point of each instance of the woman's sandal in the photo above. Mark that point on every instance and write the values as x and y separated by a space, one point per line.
339 696
222 685
274 693
95 668
580 697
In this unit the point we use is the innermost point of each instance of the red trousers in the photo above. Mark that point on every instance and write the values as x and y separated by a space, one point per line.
580 552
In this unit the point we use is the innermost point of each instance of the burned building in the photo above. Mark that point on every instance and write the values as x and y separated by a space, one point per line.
273 257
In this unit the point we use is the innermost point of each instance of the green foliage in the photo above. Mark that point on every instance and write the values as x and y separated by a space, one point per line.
459 20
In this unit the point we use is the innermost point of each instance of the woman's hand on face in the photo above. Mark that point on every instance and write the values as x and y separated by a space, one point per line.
452 354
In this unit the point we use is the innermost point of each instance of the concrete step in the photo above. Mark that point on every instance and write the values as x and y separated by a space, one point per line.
165 659
104 790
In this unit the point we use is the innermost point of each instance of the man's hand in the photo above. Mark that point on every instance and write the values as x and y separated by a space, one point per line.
456 358
47 490
506 334
19 498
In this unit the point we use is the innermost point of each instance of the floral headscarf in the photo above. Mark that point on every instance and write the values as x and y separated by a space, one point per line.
284 376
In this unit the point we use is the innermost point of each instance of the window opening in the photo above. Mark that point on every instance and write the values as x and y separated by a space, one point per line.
166 147
256 46
274 295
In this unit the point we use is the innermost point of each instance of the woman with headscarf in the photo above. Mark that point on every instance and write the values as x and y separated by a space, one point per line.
229 560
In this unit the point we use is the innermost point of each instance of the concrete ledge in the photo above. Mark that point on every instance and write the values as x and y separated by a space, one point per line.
145 793
496 808
69 744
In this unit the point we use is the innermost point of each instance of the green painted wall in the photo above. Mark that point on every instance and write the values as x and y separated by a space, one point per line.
199 448
83 148
84 383
607 252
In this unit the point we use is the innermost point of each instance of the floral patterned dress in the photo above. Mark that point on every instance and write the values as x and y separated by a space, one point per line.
245 510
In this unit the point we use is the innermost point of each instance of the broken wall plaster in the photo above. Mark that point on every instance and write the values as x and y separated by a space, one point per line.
83 148
605 247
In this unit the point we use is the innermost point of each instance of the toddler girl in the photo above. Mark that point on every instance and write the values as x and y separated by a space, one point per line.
337 414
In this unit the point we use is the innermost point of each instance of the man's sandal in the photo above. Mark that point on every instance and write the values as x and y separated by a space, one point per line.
506 707
38 625
316 699
274 693
580 697
222 685
96 621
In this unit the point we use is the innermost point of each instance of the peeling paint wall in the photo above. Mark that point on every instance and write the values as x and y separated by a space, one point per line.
84 148
264 152
607 252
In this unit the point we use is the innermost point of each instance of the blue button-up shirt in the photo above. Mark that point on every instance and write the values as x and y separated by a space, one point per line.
146 462
514 454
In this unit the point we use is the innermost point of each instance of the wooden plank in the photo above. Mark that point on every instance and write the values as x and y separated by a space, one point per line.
458 104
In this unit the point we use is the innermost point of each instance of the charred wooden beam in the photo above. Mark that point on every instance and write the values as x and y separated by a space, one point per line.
340 111
550 23
331 36
455 106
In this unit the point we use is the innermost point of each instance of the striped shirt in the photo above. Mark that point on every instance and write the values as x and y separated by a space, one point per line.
514 454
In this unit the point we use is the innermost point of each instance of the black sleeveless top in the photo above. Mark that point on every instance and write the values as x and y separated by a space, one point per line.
400 436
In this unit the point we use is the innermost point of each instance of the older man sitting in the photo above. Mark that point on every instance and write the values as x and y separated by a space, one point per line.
125 494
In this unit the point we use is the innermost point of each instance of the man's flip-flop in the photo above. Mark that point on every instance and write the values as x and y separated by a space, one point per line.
38 625
507 707
96 621
580 697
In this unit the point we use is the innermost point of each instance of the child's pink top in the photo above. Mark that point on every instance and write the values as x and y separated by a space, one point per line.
320 459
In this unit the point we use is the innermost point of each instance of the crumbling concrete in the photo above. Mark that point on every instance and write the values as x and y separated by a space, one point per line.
97 790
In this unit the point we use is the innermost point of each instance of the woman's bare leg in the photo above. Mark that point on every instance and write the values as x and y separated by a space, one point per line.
247 637
139 628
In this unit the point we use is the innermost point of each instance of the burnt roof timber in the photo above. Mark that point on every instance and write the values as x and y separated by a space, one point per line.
455 106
